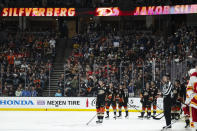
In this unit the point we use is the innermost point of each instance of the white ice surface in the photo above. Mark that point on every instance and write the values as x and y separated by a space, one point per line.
76 121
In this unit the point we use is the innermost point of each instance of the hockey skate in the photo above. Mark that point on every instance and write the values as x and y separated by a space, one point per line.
154 114
148 115
187 123
142 115
107 117
127 114
120 115
99 121
115 117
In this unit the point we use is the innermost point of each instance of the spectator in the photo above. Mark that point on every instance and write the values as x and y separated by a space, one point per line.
39 90
5 89
10 59
11 91
18 92
131 89
52 43
74 85
43 78
61 82
67 92
33 92
26 92
58 93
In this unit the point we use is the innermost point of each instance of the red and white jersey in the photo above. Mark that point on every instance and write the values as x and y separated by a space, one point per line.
192 89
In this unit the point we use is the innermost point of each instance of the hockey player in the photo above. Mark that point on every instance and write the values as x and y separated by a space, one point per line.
185 107
176 100
187 115
123 100
146 99
154 93
126 100
100 100
111 99
191 99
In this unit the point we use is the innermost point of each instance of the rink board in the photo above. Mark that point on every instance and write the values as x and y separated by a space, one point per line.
62 104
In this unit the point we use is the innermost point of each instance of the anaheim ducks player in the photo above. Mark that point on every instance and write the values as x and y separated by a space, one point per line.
123 96
100 100
111 99
146 100
154 93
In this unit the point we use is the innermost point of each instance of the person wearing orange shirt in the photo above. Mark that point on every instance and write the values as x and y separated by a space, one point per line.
10 59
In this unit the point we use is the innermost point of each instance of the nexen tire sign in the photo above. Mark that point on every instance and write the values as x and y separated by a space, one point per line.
81 103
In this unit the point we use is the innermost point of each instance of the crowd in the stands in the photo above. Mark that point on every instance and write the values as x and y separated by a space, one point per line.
25 62
125 57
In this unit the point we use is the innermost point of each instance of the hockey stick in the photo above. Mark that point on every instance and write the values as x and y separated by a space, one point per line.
91 120
158 118
155 117
175 121
159 107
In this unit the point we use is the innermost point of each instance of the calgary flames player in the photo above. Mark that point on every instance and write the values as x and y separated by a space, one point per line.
191 96
186 115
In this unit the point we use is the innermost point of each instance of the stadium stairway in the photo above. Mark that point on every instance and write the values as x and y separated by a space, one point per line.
63 51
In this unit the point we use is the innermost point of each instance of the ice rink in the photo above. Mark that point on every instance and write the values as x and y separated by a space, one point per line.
76 121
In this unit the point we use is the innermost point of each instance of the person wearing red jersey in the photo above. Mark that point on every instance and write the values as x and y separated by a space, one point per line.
191 99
